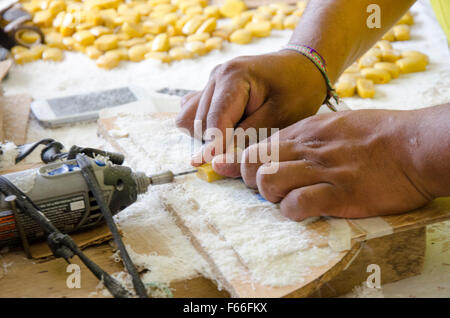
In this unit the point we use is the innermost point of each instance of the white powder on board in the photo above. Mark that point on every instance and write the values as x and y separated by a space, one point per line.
276 250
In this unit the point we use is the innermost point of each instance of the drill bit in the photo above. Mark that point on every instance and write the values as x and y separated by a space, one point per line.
185 173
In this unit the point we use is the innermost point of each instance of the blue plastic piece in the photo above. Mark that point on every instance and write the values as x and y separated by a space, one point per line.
63 169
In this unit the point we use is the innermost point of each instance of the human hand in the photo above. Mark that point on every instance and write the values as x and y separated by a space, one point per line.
349 164
265 91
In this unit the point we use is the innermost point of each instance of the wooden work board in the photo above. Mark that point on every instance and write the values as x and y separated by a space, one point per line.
379 230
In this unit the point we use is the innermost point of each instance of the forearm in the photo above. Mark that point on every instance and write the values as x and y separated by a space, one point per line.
338 29
428 145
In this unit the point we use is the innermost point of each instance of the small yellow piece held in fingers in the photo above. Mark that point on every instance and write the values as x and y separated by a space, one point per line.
206 172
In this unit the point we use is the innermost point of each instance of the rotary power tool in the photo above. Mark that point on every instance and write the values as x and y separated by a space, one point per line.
88 186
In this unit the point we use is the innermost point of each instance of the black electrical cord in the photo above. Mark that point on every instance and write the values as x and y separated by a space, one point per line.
91 181
61 244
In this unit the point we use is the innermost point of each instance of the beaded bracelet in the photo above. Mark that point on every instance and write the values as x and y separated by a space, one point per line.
319 62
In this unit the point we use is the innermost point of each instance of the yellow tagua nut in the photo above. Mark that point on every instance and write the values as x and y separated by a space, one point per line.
54 39
291 22
93 53
161 56
84 37
389 36
122 53
240 21
132 30
109 60
416 54
390 55
196 47
177 40
368 61
259 29
208 26
37 50
346 88
100 30
365 88
214 43
198 37
29 37
392 68
411 64
232 8
161 43
67 27
206 173
52 54
69 42
278 22
354 68
180 53
212 12
384 45
241 36
25 56
406 19
137 53
401 32
153 27
43 18
377 75
192 25
106 42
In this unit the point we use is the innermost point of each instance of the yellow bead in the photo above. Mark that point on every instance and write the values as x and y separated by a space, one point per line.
196 47
52 54
291 22
378 76
171 18
23 57
43 18
365 88
153 27
161 43
37 50
240 21
84 37
29 37
137 53
121 52
411 64
416 54
198 37
54 39
214 43
192 25
208 26
232 8
93 53
352 68
401 32
390 55
368 61
206 173
384 45
346 88
406 19
278 22
106 42
212 12
180 53
109 60
241 36
389 36
259 29
178 40
100 30
69 42
67 27
132 30
392 68
161 56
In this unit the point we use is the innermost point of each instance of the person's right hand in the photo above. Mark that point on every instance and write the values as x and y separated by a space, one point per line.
265 91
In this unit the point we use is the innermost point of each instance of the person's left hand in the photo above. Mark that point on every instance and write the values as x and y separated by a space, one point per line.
349 164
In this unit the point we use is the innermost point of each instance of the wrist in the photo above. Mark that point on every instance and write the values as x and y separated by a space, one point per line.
304 71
